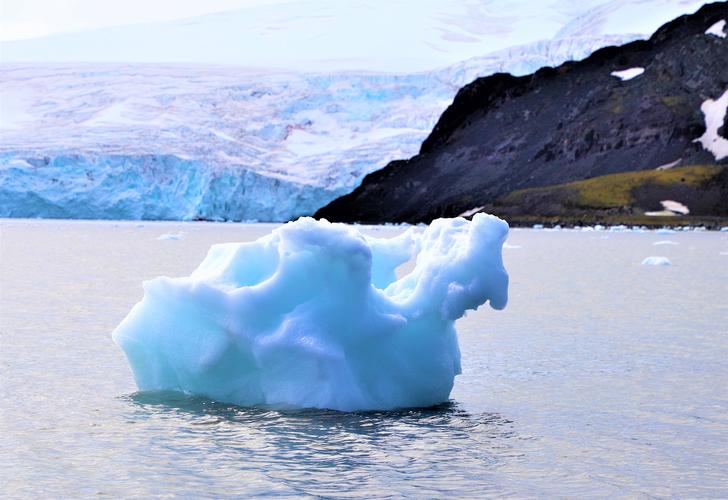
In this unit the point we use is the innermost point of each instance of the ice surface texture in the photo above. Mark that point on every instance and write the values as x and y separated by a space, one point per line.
312 316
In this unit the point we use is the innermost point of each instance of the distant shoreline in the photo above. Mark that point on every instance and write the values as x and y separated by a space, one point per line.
642 222
649 222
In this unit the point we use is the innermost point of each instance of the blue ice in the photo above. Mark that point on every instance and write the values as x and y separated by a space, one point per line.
313 315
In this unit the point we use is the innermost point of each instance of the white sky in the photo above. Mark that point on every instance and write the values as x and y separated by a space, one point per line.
20 19
322 35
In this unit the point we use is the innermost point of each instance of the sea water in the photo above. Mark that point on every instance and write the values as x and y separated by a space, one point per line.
603 377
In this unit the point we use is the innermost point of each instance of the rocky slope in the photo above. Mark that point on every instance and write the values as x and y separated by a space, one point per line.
573 122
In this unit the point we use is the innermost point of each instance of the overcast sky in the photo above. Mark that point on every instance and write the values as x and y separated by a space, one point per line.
32 18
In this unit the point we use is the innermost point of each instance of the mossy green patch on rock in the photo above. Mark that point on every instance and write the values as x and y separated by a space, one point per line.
616 190
674 101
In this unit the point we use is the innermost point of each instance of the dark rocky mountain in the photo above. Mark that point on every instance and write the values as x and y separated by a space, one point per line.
573 122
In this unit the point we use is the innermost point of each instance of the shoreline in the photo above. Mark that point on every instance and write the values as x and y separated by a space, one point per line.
641 221
677 223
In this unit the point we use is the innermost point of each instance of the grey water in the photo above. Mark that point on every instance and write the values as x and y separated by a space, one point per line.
603 377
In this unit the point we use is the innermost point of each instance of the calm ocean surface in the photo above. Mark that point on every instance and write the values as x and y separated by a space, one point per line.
603 377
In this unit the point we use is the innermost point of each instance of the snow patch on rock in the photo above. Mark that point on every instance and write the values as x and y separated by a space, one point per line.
675 206
670 165
715 113
628 74
470 212
718 29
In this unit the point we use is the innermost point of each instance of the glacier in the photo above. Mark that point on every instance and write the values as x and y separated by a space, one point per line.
313 316
109 141
153 139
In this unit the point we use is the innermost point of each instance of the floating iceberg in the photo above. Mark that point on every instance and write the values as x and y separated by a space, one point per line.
656 261
312 315
171 236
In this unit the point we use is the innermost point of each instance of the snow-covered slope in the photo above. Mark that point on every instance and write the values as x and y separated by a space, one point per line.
221 142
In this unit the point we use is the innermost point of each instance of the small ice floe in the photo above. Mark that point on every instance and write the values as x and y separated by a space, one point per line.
714 112
718 29
724 229
471 212
538 226
172 236
628 74
665 230
656 261
665 242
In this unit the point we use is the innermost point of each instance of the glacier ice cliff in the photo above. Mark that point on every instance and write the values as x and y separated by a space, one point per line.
312 315
145 186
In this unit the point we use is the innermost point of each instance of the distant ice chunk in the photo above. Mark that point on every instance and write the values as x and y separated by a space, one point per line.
718 29
313 316
665 242
628 74
656 261
714 112
171 236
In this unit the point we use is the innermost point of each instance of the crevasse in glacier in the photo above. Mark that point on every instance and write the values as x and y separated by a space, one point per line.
312 315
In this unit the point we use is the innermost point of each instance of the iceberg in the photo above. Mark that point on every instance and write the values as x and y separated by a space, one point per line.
171 236
313 316
656 261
